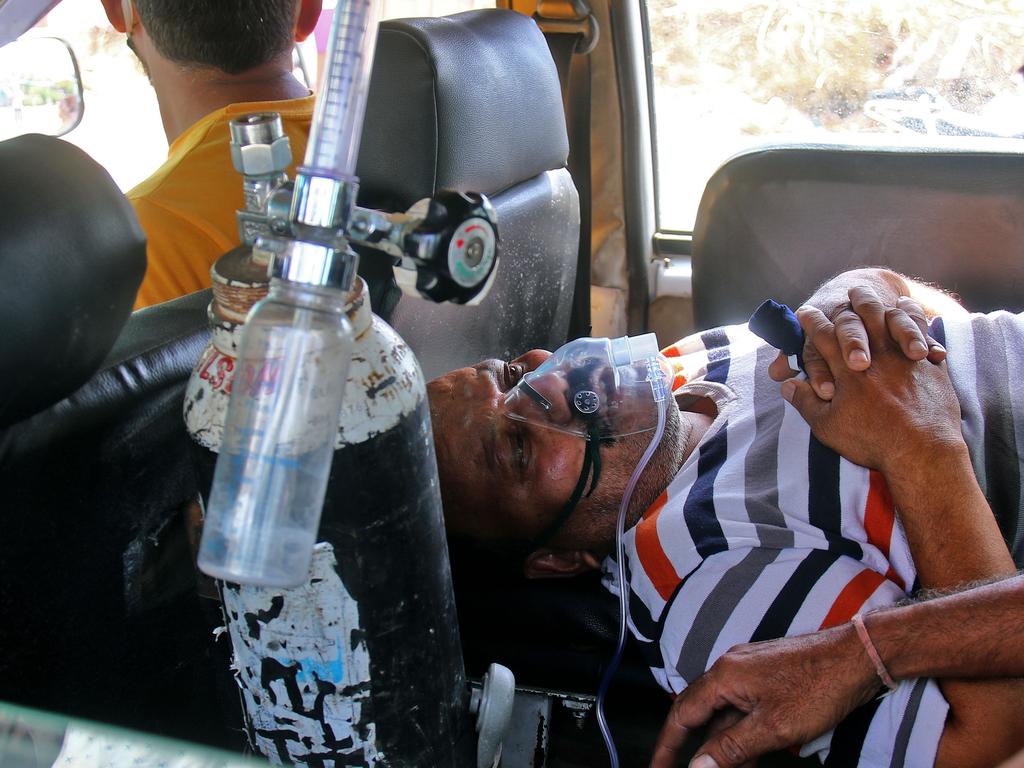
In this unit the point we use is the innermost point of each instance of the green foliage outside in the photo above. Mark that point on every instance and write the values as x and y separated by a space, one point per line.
41 94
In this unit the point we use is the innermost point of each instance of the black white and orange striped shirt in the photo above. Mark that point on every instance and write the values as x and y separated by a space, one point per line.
765 532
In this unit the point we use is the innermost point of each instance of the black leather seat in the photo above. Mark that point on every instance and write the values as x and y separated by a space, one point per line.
93 488
92 453
71 466
472 102
72 257
100 610
778 221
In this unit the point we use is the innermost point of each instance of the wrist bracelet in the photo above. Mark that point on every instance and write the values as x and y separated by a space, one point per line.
869 647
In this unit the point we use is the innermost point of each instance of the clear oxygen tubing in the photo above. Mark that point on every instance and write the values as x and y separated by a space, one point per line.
338 117
620 561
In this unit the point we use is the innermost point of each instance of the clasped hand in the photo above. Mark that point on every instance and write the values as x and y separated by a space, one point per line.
878 392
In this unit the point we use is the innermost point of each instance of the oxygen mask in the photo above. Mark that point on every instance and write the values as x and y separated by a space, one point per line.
597 389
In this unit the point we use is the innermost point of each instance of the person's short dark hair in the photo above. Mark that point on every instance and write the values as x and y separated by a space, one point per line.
230 35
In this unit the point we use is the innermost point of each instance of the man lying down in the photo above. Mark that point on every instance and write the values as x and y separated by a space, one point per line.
745 526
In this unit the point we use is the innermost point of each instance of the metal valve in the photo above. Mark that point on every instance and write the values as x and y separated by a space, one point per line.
261 152
445 248
454 248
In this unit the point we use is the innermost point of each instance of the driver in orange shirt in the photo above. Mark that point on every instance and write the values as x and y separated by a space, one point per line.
209 61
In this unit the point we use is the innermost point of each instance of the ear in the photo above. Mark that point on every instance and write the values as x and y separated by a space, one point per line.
559 564
116 14
309 14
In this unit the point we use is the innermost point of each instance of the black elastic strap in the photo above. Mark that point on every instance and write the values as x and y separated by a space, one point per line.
593 447
592 471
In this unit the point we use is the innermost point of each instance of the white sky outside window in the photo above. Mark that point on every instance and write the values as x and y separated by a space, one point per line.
734 74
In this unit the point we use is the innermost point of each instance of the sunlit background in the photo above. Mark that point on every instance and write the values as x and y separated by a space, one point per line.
728 74
121 127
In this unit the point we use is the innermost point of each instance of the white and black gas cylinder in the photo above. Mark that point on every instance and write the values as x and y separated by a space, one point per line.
360 664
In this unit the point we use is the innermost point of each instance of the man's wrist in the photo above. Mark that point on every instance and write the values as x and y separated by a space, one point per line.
906 640
925 466
861 667
881 628
872 652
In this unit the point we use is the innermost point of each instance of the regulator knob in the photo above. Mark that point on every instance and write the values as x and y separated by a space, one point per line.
455 247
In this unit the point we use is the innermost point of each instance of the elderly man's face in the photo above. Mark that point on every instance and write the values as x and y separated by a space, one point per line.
505 480
501 479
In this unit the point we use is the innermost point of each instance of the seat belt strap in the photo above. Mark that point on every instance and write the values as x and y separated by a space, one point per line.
570 39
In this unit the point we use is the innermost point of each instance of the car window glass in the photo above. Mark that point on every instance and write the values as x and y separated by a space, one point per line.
730 74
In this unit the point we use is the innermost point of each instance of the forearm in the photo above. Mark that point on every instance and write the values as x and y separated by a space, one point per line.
835 292
933 301
954 540
950 529
973 633
971 643
796 688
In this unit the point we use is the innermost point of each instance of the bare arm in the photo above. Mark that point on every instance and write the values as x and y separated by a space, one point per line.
889 286
902 418
970 633
796 688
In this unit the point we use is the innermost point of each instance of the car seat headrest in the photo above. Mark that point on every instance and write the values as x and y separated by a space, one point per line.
72 256
469 101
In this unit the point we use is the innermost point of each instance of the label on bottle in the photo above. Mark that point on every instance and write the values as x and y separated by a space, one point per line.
207 395
303 668
384 384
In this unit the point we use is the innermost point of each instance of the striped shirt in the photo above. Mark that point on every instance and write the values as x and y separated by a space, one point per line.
764 532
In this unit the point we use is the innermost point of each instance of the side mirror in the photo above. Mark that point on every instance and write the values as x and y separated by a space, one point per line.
40 88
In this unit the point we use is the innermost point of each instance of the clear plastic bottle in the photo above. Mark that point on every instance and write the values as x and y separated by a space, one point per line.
282 422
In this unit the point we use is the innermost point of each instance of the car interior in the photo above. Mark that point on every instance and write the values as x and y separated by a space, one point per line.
544 107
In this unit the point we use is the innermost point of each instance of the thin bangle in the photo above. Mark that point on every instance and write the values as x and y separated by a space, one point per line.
869 647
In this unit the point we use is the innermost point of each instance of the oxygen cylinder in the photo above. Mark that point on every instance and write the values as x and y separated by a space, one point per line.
361 665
